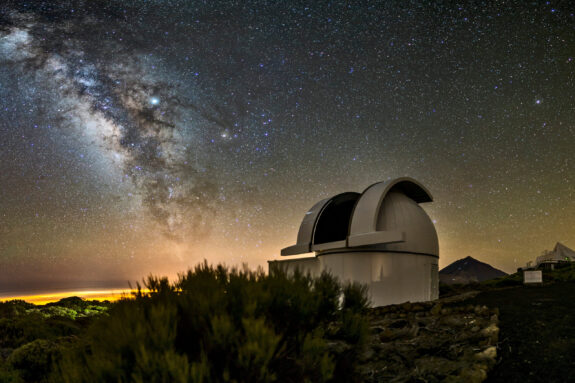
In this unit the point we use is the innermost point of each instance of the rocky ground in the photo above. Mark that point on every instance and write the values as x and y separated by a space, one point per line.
537 337
504 335
442 341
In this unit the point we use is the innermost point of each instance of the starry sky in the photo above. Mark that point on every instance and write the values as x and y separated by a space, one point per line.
143 136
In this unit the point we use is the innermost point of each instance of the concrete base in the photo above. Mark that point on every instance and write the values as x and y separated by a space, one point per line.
391 277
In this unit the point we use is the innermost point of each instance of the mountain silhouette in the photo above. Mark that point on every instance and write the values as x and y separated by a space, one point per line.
468 270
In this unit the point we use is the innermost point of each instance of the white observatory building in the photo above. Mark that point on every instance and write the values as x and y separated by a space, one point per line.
381 238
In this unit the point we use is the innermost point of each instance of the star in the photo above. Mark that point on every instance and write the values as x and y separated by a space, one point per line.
147 110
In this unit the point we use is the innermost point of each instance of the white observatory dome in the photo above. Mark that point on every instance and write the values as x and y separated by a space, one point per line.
385 217
398 212
381 238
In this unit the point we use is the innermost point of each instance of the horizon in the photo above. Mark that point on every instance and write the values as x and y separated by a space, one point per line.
102 290
46 297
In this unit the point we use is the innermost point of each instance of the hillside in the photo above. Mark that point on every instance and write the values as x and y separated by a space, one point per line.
468 270
444 340
216 325
537 332
495 331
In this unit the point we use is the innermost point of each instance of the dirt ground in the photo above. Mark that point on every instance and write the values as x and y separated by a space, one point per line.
537 333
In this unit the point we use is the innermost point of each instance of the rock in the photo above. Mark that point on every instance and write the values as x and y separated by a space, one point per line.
433 366
436 310
389 335
490 353
398 323
481 310
491 332
338 347
417 308
429 341
455 321
475 374
406 306
368 354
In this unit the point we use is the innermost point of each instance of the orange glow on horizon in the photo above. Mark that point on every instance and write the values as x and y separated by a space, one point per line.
98 295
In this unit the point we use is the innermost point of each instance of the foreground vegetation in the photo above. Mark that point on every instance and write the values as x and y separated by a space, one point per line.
220 325
212 325
33 337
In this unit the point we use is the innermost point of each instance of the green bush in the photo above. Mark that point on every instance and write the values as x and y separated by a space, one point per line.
353 328
34 360
33 337
11 333
220 325
59 311
14 308
74 307
355 297
75 303
8 375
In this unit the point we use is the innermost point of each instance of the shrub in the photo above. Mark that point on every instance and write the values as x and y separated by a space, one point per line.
353 328
34 360
10 333
59 311
214 325
8 375
355 297
14 308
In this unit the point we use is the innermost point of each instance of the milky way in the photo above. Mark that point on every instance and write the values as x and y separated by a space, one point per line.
119 109
144 136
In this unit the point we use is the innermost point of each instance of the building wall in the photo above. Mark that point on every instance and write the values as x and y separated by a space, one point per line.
306 265
391 277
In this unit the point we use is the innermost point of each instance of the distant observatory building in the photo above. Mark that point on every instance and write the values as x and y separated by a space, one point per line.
381 237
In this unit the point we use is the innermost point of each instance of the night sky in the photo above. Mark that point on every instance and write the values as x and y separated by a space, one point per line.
142 137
